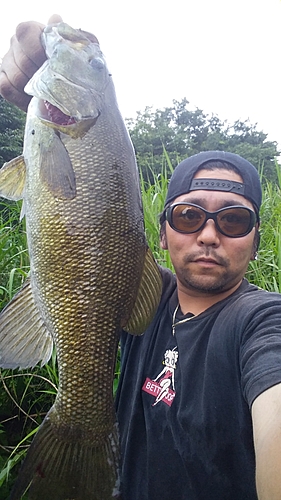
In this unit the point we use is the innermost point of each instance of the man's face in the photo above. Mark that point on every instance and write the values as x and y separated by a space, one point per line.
207 262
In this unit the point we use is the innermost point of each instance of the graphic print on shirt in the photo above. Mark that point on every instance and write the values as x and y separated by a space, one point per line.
163 386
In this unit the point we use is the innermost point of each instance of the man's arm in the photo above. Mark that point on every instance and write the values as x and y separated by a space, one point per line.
266 416
24 57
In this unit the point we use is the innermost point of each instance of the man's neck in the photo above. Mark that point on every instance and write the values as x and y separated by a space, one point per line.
196 302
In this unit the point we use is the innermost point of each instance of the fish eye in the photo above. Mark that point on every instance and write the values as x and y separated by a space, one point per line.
97 63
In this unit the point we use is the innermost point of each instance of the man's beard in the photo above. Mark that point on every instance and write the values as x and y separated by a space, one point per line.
206 282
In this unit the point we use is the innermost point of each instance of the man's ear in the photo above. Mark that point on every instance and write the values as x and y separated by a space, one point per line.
163 240
255 245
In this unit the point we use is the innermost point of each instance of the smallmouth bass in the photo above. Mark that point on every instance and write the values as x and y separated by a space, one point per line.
91 272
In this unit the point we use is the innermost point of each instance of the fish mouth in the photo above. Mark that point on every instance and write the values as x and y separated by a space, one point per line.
56 116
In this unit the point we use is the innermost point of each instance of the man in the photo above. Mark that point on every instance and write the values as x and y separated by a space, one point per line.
199 399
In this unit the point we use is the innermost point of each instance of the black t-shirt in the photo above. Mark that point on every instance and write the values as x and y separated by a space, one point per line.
184 400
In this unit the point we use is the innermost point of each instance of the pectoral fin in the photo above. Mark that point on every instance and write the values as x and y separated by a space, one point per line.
148 297
56 168
24 338
12 179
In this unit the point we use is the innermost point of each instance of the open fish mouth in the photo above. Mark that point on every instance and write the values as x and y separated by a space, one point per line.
57 119
56 116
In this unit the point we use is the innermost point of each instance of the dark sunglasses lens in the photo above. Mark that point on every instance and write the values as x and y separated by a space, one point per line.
186 218
235 221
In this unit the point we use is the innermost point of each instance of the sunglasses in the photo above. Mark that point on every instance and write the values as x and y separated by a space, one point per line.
234 222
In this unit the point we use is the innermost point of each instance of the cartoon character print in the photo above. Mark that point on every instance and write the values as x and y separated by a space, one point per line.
163 386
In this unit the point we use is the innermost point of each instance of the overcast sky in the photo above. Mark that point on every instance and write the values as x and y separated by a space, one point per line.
223 56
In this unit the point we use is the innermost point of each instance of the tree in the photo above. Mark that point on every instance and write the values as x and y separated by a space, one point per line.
181 132
245 140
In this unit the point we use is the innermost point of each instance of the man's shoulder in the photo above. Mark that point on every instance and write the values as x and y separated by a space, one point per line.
258 294
251 306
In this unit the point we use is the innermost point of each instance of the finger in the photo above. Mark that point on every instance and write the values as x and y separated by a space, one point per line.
11 94
16 70
55 19
25 56
16 61
28 35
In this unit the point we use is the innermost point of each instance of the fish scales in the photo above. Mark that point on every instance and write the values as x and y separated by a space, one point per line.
88 266
86 301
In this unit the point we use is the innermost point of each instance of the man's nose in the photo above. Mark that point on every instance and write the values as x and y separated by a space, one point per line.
209 235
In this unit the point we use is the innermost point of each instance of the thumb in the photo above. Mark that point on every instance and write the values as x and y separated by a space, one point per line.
55 19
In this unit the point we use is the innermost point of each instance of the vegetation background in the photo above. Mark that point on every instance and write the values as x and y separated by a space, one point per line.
161 138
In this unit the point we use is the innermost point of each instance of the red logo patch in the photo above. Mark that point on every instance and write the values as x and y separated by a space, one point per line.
160 392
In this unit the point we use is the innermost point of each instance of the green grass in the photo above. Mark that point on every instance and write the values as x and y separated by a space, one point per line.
266 271
26 397
14 261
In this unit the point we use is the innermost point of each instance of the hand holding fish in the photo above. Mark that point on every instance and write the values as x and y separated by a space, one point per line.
25 55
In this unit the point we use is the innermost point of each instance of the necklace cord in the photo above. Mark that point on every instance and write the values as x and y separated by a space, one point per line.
174 323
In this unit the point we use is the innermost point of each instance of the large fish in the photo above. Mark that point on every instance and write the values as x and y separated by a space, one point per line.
91 271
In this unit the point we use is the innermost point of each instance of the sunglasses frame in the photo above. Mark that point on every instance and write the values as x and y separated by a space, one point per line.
210 215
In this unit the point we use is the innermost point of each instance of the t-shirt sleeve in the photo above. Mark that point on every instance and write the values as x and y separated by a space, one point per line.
260 351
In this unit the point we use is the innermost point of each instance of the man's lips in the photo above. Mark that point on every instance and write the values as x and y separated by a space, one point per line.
205 260
207 263
210 260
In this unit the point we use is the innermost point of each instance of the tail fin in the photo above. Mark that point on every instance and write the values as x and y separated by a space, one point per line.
57 469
